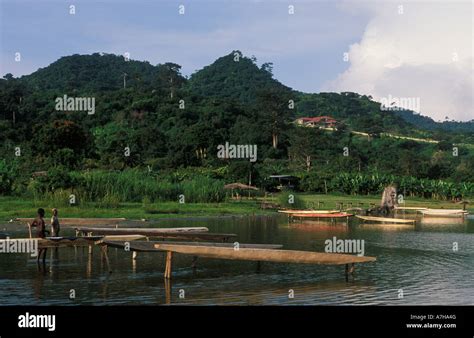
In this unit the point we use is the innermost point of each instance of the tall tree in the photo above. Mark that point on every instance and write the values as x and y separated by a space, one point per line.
274 112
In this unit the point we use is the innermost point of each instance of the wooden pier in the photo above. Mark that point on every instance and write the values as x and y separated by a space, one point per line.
246 252
190 234
63 242
80 220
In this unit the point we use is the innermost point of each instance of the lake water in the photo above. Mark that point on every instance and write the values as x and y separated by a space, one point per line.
416 261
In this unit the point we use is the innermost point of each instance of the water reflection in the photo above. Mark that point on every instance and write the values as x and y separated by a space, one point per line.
418 259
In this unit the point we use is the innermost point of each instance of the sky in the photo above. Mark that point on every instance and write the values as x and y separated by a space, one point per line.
423 49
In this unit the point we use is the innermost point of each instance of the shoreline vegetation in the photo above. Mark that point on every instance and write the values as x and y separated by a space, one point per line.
155 142
199 192
12 207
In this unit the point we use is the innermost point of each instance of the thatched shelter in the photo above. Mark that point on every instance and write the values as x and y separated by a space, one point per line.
239 186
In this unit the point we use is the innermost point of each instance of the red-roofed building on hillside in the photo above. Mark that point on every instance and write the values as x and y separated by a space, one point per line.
319 122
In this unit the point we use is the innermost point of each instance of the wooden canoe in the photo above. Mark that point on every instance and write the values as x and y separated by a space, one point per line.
444 212
265 255
308 211
386 219
334 215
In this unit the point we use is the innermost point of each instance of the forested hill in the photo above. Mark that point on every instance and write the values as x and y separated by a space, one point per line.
234 76
100 72
165 121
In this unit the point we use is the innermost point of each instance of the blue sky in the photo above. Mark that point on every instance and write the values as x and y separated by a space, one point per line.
417 51
306 48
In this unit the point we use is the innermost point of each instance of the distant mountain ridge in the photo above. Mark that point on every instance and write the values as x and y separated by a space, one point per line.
427 123
232 76
95 72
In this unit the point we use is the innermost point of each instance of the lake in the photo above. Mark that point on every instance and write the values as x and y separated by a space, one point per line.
415 266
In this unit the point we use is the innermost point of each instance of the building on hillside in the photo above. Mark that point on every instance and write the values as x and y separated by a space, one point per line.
319 122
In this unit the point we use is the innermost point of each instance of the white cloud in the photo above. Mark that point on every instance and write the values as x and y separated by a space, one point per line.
425 52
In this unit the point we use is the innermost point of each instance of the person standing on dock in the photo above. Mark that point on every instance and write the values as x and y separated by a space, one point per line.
39 224
55 223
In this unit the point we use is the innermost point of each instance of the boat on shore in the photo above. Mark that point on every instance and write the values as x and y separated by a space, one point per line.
289 211
386 219
444 212
319 215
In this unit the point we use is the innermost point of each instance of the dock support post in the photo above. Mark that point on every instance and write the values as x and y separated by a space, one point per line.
168 287
105 250
169 263
194 262
90 249
350 270
134 255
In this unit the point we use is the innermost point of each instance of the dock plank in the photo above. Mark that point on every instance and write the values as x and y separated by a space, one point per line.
267 255
80 221
193 234
149 246
139 231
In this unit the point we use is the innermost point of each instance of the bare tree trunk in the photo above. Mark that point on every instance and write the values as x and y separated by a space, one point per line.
274 140
389 198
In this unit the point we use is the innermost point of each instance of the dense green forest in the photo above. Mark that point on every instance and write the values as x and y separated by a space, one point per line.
155 133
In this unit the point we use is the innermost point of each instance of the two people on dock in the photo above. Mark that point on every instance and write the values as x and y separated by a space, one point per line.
40 224
41 231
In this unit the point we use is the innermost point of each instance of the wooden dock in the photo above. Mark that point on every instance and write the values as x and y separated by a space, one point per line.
138 231
79 220
191 234
246 252
62 242
149 246
83 241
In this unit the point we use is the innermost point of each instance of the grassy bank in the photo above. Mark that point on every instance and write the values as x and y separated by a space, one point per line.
11 207
331 201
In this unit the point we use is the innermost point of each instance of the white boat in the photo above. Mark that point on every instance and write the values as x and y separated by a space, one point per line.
444 212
